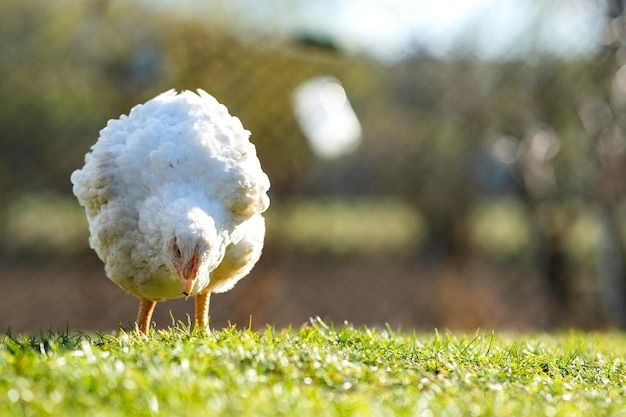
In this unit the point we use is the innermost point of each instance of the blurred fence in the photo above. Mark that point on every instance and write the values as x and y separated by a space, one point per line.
481 193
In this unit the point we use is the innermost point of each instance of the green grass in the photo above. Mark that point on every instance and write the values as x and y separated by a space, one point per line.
318 370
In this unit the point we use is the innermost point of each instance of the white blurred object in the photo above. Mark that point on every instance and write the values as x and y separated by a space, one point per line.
326 117
505 150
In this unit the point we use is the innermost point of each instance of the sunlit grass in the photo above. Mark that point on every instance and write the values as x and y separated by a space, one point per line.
312 371
45 223
499 228
366 226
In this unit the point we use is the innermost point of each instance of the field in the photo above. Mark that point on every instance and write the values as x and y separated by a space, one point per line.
315 370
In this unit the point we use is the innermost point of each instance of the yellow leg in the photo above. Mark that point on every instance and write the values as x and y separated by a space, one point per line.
202 309
146 307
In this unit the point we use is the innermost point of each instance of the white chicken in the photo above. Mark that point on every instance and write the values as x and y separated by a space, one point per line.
174 195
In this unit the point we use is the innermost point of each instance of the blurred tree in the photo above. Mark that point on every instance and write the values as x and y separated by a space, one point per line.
602 114
445 134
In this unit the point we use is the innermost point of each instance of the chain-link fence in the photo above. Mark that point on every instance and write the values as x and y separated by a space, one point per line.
471 193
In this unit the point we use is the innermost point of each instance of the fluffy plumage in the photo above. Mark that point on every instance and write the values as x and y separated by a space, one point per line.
174 195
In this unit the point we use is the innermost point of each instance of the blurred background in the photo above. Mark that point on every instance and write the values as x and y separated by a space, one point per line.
455 164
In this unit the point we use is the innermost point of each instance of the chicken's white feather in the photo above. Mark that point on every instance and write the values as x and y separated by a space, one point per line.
179 166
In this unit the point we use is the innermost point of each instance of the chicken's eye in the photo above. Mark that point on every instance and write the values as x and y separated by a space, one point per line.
176 250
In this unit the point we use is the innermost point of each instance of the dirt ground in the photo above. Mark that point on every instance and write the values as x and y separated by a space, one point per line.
280 292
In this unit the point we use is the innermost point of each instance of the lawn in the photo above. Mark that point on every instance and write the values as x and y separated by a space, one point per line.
317 370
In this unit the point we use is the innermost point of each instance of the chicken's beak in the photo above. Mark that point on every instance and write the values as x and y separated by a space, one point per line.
188 286
189 273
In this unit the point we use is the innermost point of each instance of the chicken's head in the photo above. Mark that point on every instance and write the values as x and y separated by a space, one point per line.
192 246
186 260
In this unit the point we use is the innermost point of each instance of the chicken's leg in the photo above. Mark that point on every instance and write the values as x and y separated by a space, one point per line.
146 307
202 309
